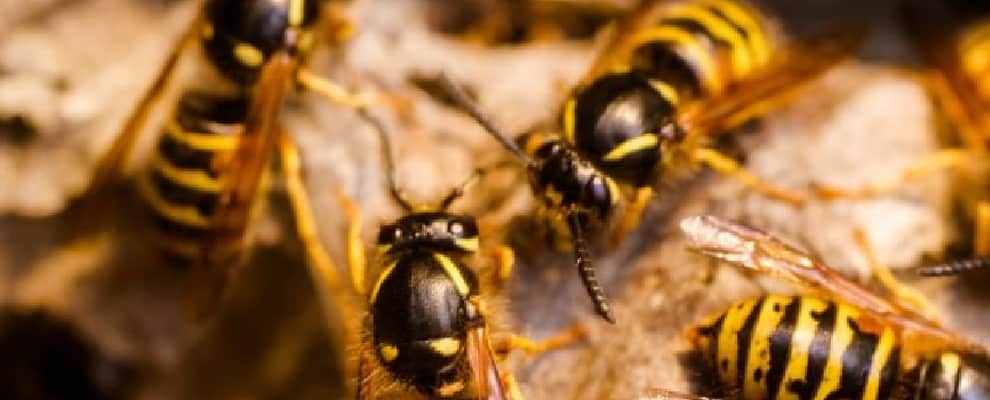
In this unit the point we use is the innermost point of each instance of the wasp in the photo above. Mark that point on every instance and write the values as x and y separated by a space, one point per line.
203 182
840 341
522 21
429 320
672 77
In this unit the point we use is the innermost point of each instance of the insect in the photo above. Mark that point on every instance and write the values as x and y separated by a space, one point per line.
674 75
842 341
203 183
428 328
957 50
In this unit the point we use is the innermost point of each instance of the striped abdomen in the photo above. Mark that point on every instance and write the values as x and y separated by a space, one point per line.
183 183
783 347
973 47
701 47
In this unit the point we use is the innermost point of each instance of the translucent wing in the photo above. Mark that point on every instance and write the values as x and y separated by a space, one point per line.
770 87
620 41
484 372
758 251
112 163
220 255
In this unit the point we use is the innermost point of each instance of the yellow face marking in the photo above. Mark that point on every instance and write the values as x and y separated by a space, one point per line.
445 346
296 12
206 31
384 248
381 279
742 63
450 389
760 45
770 316
453 272
880 357
248 55
467 244
199 141
666 91
804 334
697 54
728 343
192 178
185 215
569 108
639 143
388 352
842 336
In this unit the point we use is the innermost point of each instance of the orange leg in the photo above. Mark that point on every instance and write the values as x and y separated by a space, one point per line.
905 295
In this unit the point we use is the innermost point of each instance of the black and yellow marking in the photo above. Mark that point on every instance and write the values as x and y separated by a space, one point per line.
696 35
782 347
183 182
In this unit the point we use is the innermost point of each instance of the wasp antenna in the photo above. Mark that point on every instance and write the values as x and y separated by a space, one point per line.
459 191
389 158
956 267
461 99
586 270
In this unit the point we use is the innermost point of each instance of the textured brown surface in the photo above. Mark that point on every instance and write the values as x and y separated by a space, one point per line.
76 77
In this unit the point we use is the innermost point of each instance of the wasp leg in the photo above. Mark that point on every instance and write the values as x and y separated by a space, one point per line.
667 394
981 229
505 261
356 260
324 269
935 162
905 295
336 303
725 165
566 337
633 215
511 386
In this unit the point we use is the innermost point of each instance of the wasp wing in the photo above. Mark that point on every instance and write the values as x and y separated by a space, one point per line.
621 39
790 69
111 165
243 172
481 360
761 252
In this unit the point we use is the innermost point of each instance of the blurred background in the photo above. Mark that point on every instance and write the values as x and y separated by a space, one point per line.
88 309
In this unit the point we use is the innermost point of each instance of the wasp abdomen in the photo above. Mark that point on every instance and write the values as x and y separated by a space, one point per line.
701 47
182 186
778 347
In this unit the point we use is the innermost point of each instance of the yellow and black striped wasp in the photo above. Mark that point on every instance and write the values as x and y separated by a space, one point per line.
429 322
203 182
673 76
840 341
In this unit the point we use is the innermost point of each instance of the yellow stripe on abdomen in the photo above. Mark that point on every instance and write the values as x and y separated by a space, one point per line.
804 333
842 336
758 362
728 343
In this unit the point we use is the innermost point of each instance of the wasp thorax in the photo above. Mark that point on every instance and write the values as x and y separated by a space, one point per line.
619 123
239 36
432 231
